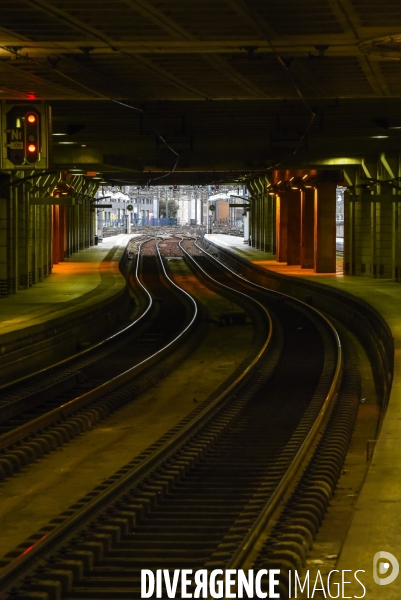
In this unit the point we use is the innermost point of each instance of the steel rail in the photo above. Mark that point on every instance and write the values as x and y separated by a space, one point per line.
271 506
87 351
61 412
22 563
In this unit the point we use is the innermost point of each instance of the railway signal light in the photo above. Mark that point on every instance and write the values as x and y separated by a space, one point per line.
24 138
32 137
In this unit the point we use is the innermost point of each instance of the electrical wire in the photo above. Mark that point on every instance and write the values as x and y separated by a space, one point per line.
105 97
256 18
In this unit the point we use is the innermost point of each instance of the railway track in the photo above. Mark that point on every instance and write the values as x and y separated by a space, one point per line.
53 397
196 500
61 337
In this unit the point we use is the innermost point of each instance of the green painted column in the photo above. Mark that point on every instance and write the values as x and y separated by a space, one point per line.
397 241
252 221
4 213
364 233
382 267
261 232
325 227
23 237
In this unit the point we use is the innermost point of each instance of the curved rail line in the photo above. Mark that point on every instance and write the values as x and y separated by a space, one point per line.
5 388
20 454
44 378
192 501
247 545
286 544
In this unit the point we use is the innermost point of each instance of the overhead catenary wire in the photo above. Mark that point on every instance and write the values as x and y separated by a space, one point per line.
16 53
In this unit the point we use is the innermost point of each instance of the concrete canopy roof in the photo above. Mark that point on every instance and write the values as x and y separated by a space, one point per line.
213 89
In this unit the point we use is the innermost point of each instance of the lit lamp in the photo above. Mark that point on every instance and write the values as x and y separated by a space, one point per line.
62 189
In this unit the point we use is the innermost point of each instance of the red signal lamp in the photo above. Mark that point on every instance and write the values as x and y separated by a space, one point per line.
32 136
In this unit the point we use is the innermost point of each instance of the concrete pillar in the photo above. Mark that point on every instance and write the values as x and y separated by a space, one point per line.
349 234
273 223
263 223
258 223
252 214
263 213
75 229
262 228
32 236
257 203
325 227
308 228
396 254
92 224
62 215
397 241
270 223
266 231
70 240
294 228
34 233
23 235
13 241
281 227
382 267
56 234
262 218
40 248
359 230
4 206
363 247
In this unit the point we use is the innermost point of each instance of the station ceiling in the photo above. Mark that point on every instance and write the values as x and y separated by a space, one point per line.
209 89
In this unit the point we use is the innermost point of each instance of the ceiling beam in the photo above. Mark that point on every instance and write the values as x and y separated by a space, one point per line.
300 73
66 18
90 73
159 19
86 28
11 67
167 76
349 21
373 74
346 16
220 64
10 36
297 45
253 19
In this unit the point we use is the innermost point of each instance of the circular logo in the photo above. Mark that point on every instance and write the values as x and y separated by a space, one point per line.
381 568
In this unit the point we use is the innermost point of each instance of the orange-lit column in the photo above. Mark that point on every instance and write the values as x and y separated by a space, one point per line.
63 233
325 227
55 234
294 228
58 234
307 228
281 227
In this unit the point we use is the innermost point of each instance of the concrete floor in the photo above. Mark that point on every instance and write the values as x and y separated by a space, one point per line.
76 280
